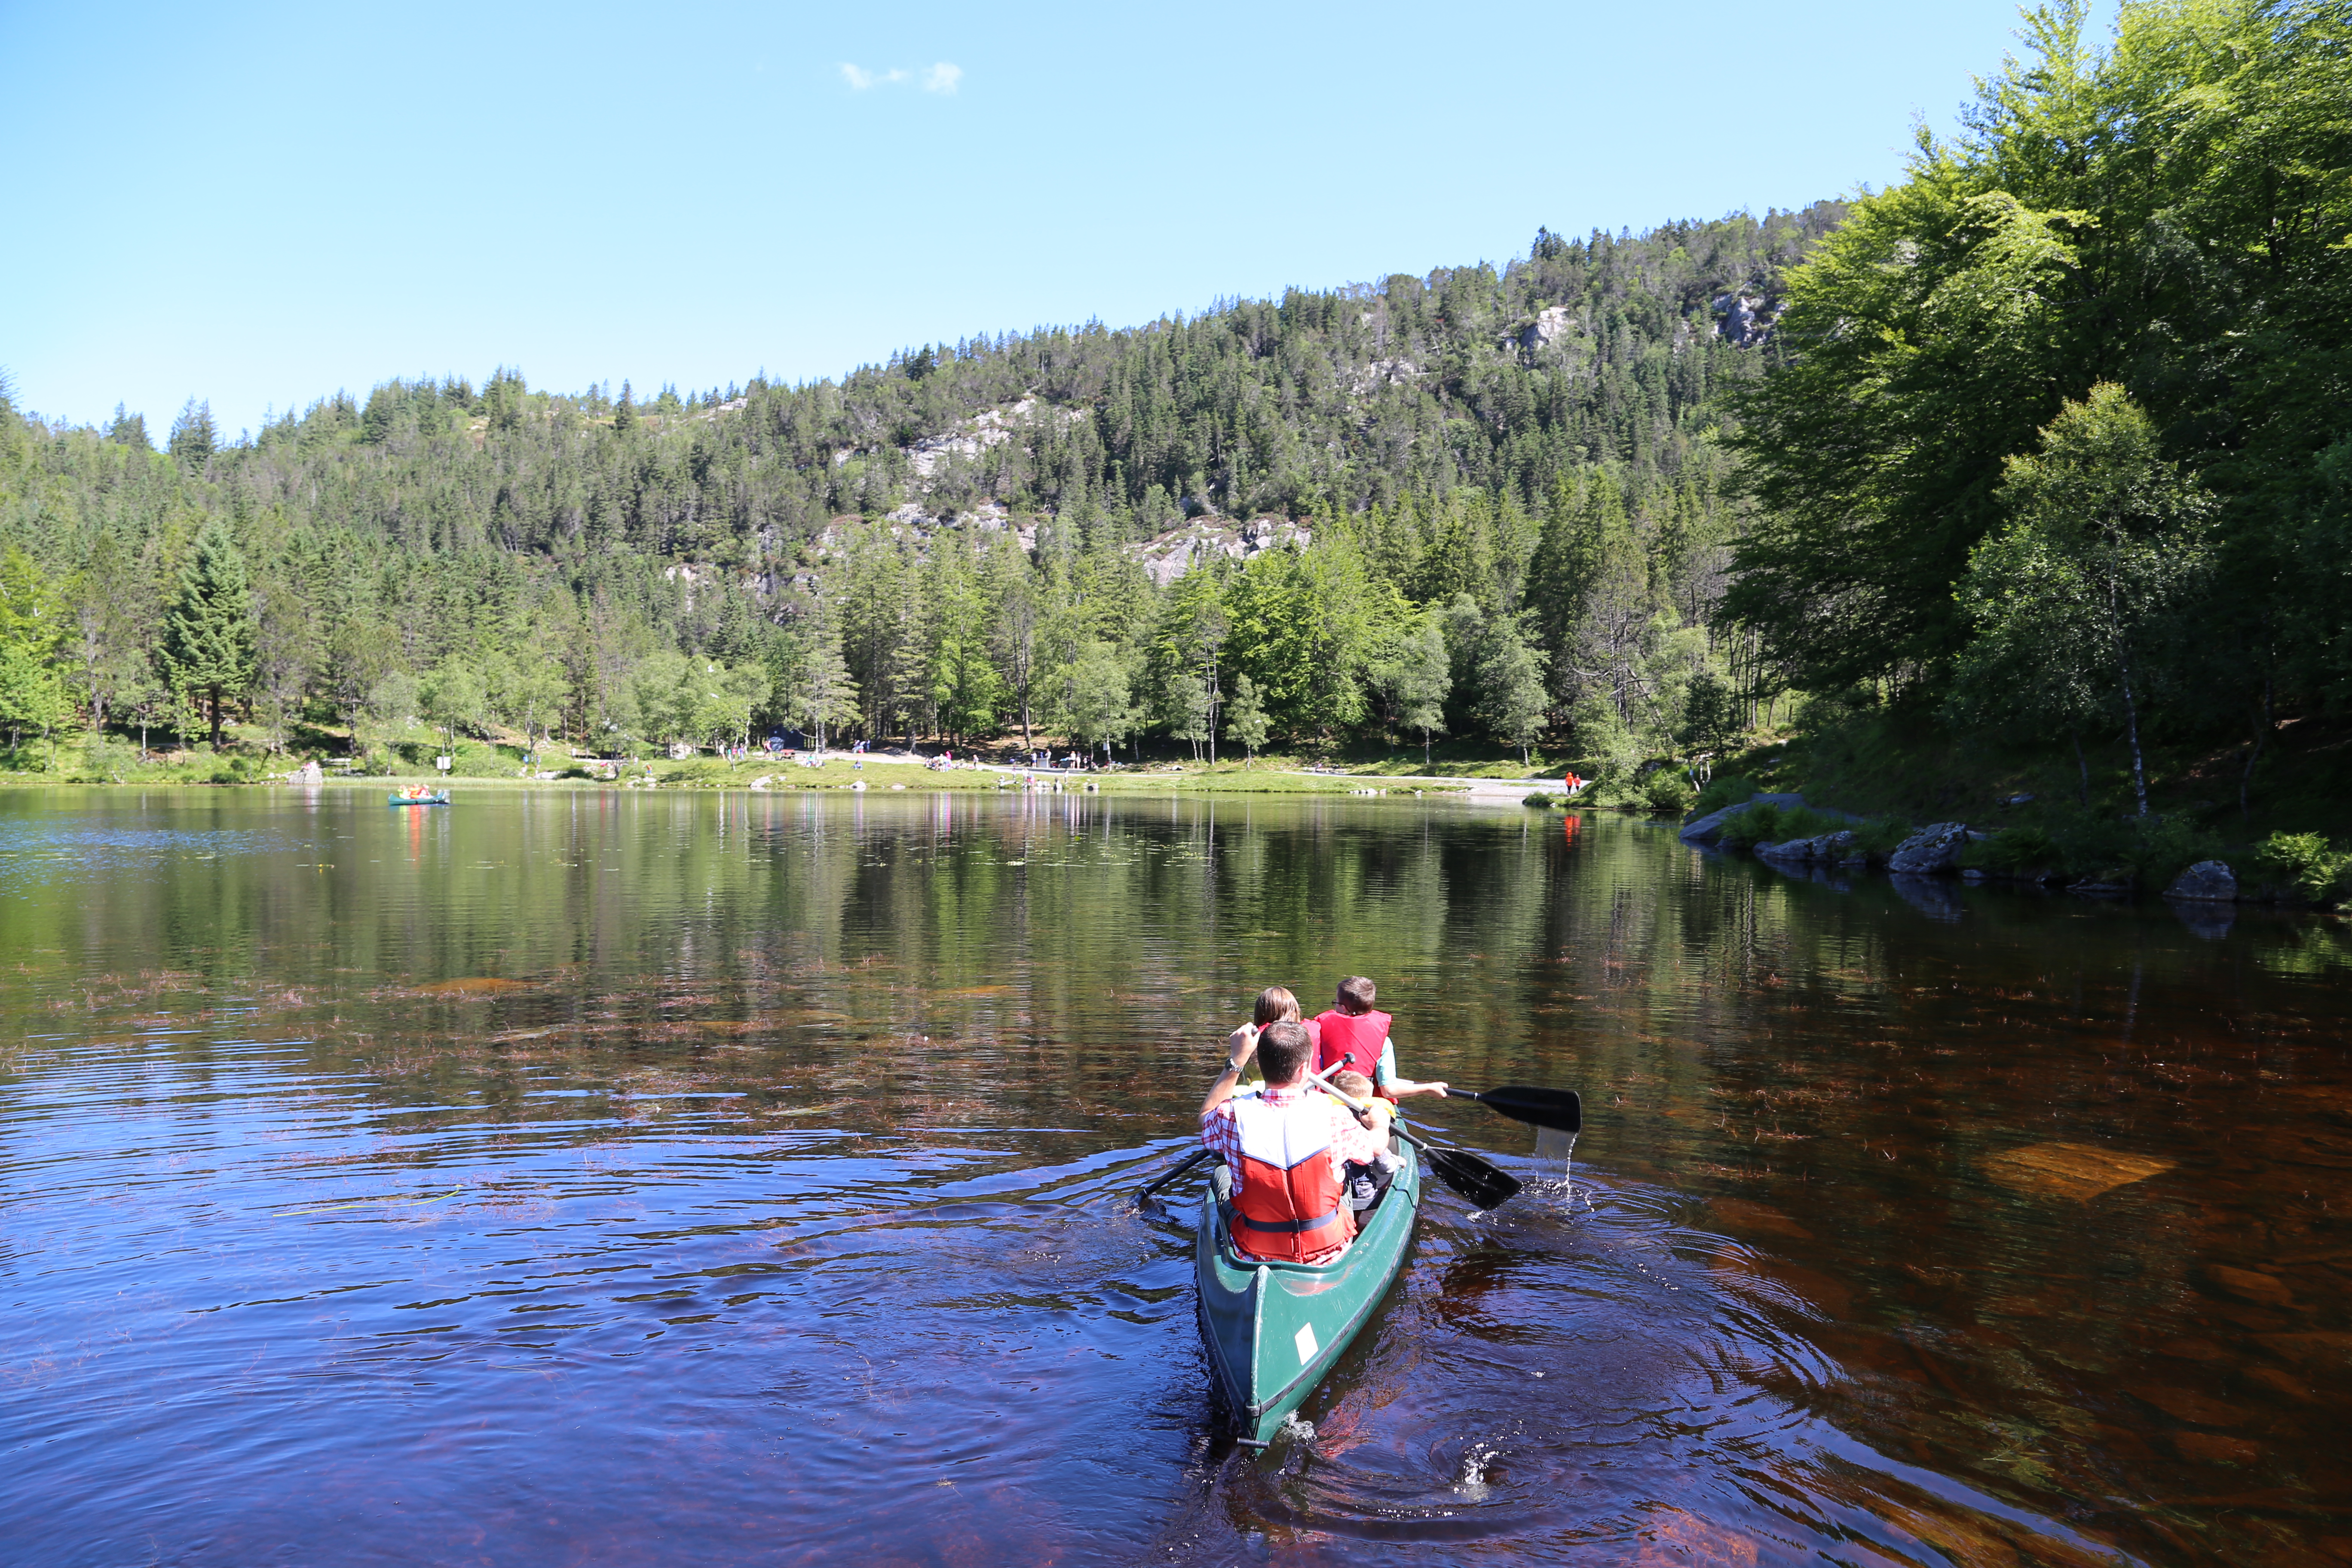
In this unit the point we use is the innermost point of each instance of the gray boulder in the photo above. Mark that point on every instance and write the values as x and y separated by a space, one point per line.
1826 848
2207 881
1932 850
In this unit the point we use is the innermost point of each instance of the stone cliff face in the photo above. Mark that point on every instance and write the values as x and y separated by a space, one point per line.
1745 319
1551 324
1204 539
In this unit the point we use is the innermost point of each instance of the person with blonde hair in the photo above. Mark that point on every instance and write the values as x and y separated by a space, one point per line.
1275 1005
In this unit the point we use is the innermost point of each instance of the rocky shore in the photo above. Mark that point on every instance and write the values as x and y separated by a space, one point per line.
1934 851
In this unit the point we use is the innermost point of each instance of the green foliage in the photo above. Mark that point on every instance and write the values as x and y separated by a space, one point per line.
471 761
2306 863
207 648
2076 381
1768 822
2142 852
1246 718
1710 714
1880 835
1667 790
1724 789
2016 851
1536 798
2077 602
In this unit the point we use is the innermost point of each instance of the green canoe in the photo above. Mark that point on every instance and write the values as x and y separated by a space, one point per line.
1274 1330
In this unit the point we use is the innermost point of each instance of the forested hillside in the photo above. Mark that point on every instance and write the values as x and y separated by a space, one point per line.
1509 493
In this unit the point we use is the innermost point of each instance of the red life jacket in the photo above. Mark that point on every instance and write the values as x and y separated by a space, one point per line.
1291 1204
1352 1041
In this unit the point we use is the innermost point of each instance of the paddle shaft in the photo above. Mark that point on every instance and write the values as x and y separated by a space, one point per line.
1470 1169
1186 1163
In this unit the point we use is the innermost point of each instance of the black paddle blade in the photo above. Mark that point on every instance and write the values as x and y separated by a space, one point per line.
1473 1178
1561 1109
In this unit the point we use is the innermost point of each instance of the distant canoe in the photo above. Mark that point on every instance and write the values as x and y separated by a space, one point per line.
438 798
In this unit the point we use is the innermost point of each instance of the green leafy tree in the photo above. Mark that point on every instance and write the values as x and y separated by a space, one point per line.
822 695
1511 697
2079 601
1095 701
207 650
1416 675
1188 710
33 629
1246 718
454 698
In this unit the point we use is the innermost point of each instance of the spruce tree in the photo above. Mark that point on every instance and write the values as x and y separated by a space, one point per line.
208 636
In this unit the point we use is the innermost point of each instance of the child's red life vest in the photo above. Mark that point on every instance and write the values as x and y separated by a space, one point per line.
1351 1042
1292 1206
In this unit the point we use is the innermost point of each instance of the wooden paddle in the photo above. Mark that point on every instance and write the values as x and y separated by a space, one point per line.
1485 1186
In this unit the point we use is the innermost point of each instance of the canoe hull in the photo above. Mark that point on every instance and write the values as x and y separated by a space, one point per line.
439 797
1273 1330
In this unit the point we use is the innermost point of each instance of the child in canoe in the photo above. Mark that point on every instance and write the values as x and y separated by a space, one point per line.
1367 1179
1354 1036
1275 1005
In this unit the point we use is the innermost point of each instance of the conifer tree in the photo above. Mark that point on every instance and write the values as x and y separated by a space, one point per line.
208 636
194 437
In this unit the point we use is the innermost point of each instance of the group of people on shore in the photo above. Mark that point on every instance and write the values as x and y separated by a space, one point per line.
1309 1147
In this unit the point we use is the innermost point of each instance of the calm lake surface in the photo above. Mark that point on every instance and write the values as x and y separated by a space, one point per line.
590 1178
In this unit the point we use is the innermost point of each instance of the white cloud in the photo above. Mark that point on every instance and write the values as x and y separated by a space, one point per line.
939 77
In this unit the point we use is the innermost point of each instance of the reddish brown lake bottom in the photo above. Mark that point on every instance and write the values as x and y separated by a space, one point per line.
573 1178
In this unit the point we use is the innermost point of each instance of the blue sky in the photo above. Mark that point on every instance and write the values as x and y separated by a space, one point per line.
259 204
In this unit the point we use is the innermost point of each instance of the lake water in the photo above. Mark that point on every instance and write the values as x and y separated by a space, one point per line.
602 1178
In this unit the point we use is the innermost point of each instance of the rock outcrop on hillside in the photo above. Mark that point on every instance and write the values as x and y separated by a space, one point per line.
1551 325
1744 319
1204 539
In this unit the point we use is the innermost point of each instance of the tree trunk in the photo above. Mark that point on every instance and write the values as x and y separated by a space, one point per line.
215 705
2246 779
2081 767
2131 731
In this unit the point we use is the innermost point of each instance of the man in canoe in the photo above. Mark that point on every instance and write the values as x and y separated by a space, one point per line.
1287 1148
1354 1036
